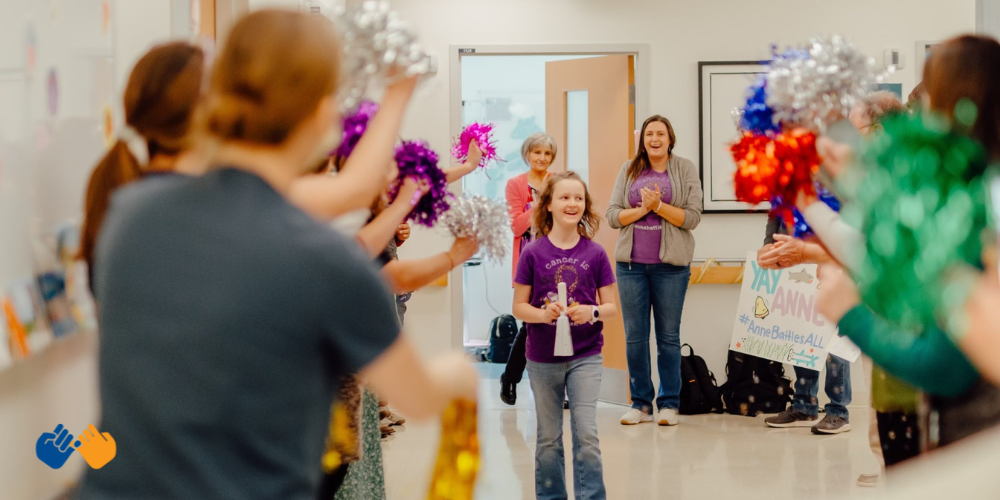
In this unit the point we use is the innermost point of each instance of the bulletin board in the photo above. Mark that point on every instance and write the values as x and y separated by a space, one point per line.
57 93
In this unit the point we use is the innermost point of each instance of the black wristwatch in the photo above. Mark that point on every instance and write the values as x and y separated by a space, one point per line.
597 315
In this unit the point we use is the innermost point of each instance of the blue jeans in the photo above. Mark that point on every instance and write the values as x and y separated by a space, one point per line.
838 388
661 287
580 380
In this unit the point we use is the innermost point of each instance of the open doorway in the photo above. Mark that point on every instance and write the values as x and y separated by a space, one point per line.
586 99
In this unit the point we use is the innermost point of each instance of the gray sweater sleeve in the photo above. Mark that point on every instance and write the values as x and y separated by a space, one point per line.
692 205
618 200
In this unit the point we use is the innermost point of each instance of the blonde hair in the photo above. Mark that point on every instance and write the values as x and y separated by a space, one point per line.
590 222
274 70
535 140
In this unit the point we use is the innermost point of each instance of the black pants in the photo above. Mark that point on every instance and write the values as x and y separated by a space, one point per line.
516 361
975 411
331 483
899 435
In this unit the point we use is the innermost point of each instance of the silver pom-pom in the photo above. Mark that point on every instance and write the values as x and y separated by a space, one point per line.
817 85
486 221
374 42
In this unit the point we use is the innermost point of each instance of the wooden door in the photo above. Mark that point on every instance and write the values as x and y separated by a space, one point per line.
592 100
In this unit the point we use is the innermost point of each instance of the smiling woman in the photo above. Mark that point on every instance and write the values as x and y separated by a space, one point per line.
656 202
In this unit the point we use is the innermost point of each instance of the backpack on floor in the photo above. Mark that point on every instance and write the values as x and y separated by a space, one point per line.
699 390
755 385
503 330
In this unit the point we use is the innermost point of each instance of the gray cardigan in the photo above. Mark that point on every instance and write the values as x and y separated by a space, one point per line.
677 245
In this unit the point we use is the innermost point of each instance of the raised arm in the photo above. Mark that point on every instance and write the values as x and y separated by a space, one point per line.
457 172
363 176
412 274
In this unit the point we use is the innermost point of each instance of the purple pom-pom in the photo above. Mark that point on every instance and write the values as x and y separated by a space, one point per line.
355 125
416 159
483 134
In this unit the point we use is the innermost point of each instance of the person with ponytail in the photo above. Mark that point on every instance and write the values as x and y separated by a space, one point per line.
230 314
159 103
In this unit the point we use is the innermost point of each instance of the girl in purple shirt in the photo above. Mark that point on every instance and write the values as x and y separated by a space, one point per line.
565 253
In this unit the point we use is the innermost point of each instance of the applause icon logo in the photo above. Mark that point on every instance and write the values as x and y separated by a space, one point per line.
54 448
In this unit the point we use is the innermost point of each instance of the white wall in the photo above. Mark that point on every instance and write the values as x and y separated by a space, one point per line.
988 17
680 34
138 25
59 385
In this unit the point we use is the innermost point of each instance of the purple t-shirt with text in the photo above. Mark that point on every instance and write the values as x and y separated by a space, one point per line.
648 231
585 268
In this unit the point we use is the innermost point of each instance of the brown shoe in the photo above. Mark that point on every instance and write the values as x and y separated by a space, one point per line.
386 431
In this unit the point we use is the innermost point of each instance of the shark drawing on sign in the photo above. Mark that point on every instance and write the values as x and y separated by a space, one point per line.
760 309
803 359
801 277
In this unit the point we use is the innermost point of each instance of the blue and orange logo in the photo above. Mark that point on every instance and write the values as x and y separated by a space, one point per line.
54 448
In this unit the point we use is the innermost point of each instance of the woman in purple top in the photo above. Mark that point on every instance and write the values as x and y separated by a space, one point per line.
565 253
656 202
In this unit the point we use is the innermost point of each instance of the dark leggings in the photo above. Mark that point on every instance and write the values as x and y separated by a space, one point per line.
516 361
975 411
899 436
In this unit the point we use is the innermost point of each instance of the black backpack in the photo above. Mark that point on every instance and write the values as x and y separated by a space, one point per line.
503 330
699 390
755 385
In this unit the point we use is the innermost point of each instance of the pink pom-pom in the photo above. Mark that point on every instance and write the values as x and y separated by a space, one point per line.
482 133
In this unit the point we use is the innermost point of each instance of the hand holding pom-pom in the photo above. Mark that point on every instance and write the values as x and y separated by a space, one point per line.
378 49
476 138
922 208
415 159
481 219
475 154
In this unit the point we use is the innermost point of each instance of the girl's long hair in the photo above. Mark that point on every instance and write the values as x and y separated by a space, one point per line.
641 160
590 222
159 103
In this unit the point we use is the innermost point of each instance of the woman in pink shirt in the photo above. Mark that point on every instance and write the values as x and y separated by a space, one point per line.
538 151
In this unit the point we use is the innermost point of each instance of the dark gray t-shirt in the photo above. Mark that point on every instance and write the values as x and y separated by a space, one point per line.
227 316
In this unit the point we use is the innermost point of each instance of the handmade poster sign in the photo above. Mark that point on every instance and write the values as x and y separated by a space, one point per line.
777 317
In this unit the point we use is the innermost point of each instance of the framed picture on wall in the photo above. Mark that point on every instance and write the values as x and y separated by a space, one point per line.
921 55
722 88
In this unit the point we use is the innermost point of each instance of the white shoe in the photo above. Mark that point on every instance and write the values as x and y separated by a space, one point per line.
667 417
636 416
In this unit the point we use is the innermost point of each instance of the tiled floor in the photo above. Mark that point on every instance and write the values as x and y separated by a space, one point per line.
706 457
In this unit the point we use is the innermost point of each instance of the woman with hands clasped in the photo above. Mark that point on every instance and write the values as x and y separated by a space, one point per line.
656 203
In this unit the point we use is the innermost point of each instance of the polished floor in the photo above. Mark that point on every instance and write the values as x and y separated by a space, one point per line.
705 457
